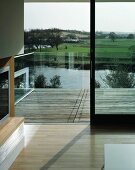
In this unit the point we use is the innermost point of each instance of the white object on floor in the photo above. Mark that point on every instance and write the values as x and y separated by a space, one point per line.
119 156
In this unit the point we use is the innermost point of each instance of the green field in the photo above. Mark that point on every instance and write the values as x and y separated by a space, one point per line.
107 51
71 47
61 57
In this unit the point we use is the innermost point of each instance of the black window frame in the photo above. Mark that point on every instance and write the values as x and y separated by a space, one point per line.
102 119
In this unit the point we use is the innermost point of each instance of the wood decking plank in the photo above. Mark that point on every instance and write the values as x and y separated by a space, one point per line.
54 105
115 101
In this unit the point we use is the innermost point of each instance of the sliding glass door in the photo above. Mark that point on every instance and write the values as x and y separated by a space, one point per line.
113 61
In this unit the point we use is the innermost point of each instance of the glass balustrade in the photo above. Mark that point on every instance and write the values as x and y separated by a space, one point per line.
52 86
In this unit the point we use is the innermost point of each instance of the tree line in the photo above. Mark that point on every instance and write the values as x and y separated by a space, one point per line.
36 38
113 36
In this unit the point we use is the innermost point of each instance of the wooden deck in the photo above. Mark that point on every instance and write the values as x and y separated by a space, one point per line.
55 106
115 101
69 106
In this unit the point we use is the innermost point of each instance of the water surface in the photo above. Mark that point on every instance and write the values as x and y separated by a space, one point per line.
70 78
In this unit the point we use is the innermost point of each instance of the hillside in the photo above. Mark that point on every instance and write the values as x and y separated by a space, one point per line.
79 34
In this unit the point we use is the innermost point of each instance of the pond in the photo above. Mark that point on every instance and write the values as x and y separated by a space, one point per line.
70 78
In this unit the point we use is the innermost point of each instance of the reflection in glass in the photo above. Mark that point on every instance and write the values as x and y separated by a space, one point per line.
115 57
4 94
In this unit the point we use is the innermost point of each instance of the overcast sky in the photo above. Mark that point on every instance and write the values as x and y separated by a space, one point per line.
57 15
115 16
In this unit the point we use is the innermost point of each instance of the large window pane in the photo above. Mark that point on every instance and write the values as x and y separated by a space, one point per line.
115 55
58 71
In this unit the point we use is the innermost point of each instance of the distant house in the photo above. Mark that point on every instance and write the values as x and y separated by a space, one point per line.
71 40
107 37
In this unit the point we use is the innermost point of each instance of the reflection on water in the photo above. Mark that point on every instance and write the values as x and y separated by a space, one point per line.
70 78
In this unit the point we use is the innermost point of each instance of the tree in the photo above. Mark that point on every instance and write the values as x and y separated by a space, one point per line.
53 37
55 81
112 36
38 38
34 39
100 34
40 81
130 36
120 78
28 41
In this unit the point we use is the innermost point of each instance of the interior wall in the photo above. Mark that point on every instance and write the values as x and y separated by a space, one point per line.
11 27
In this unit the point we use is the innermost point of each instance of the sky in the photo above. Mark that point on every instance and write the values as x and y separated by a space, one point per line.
116 16
70 16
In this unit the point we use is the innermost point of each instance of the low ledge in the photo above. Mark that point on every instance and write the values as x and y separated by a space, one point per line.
8 128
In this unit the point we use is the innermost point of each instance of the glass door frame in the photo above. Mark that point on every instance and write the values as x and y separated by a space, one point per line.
96 119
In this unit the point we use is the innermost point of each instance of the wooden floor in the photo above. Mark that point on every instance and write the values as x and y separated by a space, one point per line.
69 147
115 101
55 106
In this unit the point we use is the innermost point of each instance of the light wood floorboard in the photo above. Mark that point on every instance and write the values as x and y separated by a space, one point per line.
42 142
69 147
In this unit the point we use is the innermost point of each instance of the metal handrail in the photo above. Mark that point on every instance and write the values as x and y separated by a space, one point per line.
21 55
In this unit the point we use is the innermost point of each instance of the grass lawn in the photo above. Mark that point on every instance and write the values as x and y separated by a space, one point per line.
71 47
107 51
81 54
118 42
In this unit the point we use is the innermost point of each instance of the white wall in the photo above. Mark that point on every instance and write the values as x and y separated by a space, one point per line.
11 27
